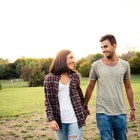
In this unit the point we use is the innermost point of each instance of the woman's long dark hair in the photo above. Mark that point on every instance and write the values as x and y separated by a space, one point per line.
59 64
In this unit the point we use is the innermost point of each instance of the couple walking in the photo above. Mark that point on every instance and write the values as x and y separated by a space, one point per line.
66 105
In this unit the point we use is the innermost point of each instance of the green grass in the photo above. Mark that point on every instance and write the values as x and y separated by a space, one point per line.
22 112
23 100
17 101
13 83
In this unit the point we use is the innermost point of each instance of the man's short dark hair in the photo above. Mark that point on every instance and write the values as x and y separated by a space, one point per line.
110 38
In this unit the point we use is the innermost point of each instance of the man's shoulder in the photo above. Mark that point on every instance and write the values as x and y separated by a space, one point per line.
97 62
124 62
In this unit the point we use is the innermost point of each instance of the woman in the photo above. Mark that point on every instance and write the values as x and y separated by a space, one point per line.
64 99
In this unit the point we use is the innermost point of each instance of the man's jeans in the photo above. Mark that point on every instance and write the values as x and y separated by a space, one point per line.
69 131
112 126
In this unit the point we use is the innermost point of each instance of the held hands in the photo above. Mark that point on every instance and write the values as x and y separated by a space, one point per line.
53 125
87 110
132 115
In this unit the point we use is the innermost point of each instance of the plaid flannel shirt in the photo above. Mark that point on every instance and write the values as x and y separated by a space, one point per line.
51 84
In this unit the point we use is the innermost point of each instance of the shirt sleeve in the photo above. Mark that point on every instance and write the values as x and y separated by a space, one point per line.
47 91
127 73
93 74
80 91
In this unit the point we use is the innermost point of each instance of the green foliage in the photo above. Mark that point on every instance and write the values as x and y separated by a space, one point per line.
93 57
19 63
7 70
26 73
128 55
4 61
45 64
37 78
11 71
2 71
33 70
79 62
83 65
25 67
135 64
133 58
84 68
29 68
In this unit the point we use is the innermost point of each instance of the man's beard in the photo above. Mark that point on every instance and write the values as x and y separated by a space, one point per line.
110 55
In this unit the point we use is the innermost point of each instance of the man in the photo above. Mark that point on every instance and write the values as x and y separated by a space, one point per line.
111 73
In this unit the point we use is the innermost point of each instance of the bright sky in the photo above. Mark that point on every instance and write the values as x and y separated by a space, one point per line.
40 28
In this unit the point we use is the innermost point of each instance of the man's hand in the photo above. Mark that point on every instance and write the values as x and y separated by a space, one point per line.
132 116
87 110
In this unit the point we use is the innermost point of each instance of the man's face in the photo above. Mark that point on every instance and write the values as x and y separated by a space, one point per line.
107 49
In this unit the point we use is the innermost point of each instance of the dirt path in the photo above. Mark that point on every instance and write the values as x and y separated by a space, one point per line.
35 127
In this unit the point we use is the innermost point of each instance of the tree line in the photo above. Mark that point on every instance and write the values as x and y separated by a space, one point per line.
34 70
133 57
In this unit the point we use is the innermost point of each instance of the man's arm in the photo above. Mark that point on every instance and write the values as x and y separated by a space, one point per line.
89 90
129 93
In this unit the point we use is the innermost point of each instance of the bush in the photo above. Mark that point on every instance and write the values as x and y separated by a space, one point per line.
84 69
0 86
135 64
36 79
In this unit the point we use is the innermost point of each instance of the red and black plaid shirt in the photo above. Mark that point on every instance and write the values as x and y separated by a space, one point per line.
51 84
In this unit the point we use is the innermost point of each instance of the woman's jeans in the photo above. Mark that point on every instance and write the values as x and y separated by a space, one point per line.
69 131
112 126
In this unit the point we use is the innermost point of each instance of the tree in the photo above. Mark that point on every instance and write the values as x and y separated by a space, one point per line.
94 57
45 64
79 62
26 72
37 78
0 86
135 63
2 71
19 63
84 68
128 55
83 65
29 67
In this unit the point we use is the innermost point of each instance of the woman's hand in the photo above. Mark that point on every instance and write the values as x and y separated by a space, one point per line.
54 125
87 110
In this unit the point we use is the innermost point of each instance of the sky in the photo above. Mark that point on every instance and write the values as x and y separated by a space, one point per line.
40 28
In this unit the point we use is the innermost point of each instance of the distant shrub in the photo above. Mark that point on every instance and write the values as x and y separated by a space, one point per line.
0 86
84 68
36 78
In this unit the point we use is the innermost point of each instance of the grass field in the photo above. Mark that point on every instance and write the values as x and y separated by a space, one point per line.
22 113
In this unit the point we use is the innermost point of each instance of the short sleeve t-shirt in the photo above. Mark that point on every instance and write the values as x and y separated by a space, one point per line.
110 89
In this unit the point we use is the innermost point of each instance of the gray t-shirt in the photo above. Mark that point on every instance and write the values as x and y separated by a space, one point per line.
110 89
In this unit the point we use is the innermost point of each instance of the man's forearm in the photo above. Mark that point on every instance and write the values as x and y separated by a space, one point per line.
87 96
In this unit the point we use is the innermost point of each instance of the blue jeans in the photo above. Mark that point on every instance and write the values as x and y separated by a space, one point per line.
69 131
112 126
